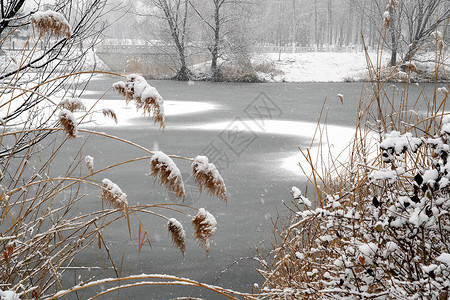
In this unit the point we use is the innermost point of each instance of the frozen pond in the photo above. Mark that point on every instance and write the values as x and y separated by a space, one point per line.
257 161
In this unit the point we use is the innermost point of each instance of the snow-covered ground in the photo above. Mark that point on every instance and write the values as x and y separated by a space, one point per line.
315 66
307 66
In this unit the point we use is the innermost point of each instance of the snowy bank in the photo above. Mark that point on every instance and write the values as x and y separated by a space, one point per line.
315 66
301 67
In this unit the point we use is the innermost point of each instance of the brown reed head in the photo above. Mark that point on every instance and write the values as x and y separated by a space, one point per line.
154 107
112 194
163 167
124 89
205 225
68 122
177 233
144 95
51 22
72 104
207 176
109 113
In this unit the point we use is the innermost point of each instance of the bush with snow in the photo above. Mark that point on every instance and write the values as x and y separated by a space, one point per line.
387 238
379 224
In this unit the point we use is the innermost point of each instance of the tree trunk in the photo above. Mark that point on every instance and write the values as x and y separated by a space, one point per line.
393 50
330 23
395 30
350 25
178 37
293 32
216 74
316 29
361 26
371 29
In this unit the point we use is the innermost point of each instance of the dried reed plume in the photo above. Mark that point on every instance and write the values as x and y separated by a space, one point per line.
109 113
387 18
177 233
69 122
51 22
112 193
144 95
205 226
163 167
207 176
89 160
72 104
124 89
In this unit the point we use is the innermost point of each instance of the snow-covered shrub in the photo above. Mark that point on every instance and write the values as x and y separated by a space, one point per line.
387 237
389 240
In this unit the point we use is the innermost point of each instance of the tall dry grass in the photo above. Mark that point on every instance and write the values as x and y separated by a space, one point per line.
42 230
380 225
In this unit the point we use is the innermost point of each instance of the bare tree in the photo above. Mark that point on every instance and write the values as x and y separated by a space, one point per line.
423 18
216 17
409 23
395 29
175 14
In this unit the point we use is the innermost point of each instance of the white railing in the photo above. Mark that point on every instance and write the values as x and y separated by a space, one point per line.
309 48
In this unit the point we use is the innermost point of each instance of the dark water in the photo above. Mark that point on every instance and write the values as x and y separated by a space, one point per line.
256 183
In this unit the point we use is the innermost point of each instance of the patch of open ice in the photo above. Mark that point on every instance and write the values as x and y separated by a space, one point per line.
279 127
338 138
125 114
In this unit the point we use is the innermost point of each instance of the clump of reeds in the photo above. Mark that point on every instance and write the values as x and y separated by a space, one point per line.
205 226
112 194
177 233
379 228
69 122
207 176
163 167
51 22
144 95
